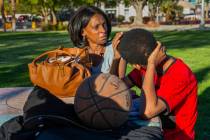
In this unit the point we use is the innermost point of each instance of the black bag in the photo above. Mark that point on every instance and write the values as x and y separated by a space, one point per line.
41 111
47 117
13 130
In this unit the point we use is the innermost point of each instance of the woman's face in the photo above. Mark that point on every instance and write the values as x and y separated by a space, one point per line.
96 30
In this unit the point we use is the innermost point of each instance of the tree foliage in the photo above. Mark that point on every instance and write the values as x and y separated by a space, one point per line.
170 9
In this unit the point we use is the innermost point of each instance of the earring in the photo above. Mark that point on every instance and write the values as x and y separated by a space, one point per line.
84 41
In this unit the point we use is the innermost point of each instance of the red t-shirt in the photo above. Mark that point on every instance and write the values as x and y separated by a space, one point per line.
177 87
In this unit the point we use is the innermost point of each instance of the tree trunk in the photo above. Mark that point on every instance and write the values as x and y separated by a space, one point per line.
45 14
207 9
3 15
13 15
153 12
138 6
54 18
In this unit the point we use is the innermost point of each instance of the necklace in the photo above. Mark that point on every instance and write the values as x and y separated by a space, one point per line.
95 56
98 51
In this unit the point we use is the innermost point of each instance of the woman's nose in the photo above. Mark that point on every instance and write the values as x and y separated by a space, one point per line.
102 29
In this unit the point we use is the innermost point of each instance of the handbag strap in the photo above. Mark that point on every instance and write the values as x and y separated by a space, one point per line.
84 50
57 51
82 70
47 53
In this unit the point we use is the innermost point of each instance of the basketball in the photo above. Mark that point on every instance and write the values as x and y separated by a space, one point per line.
103 101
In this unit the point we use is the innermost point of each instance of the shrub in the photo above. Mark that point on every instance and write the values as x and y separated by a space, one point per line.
58 27
120 18
131 18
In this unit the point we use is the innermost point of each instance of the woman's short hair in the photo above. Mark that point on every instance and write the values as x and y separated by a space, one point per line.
136 45
81 19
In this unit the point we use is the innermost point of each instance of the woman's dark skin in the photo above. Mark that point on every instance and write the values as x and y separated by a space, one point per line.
95 34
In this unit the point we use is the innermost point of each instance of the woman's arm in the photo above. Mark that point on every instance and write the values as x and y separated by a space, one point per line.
119 64
118 67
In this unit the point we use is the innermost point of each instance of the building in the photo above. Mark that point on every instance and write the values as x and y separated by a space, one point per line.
191 10
121 9
194 2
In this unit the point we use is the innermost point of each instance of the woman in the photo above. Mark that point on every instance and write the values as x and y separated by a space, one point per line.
89 27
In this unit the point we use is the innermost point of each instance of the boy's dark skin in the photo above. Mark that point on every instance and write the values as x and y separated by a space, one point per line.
153 105
168 85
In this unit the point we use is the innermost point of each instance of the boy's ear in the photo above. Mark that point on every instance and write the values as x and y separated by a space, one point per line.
137 66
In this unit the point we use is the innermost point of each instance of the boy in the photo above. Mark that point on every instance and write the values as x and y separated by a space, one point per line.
168 85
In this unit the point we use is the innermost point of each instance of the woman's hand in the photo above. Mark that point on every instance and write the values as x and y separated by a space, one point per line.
153 58
115 43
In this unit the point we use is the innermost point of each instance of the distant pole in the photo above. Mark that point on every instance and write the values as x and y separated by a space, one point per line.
157 15
202 24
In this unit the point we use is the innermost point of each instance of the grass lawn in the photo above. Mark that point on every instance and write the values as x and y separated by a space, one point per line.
19 49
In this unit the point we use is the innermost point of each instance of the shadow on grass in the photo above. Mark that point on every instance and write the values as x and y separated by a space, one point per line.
14 76
203 121
19 49
29 35
183 39
202 74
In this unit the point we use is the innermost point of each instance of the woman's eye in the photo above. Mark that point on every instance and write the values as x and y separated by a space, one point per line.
96 27
104 25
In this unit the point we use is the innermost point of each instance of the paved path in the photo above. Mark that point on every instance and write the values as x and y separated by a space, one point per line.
163 28
12 101
122 28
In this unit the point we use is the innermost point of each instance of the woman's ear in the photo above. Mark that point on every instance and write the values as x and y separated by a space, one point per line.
83 33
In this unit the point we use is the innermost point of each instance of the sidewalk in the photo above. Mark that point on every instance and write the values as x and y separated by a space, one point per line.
118 28
163 28
13 99
22 30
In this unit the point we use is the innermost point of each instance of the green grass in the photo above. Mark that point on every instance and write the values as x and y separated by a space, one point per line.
19 49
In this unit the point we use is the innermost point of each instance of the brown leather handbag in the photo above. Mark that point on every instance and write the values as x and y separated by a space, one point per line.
61 71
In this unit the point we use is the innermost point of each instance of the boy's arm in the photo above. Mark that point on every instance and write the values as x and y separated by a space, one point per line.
153 104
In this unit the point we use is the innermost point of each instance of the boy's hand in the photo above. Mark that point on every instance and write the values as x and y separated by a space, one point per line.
153 58
115 43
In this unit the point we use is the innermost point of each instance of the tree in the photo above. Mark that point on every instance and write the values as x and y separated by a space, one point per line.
170 9
50 7
3 14
207 9
138 6
41 7
154 8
